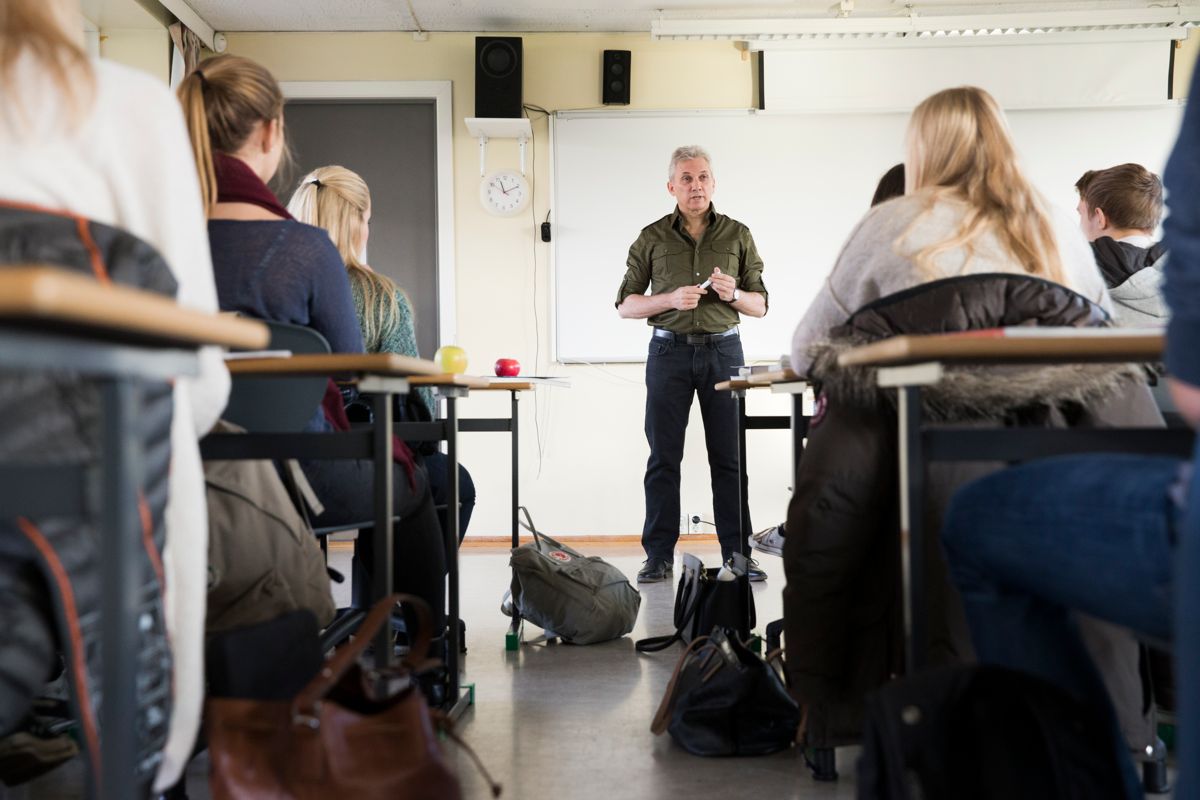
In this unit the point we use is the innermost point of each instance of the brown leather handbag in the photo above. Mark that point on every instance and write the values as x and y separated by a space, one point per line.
336 738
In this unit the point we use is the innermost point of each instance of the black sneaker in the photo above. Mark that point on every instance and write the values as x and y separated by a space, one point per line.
754 572
654 570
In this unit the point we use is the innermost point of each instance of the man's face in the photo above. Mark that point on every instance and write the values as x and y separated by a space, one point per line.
1090 222
693 185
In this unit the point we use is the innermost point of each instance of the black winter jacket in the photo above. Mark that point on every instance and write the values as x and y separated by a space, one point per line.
842 605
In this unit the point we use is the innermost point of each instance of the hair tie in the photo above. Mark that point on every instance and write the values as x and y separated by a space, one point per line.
203 80
316 182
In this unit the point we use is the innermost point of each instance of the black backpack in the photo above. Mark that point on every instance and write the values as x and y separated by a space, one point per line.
987 733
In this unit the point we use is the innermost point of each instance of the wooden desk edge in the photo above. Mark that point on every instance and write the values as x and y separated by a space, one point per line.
51 294
903 350
385 365
446 379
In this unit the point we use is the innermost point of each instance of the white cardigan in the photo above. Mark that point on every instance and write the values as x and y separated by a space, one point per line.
129 165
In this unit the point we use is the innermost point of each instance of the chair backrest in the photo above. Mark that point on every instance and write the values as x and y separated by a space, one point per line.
279 405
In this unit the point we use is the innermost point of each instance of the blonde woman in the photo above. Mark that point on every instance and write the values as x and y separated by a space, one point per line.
338 200
967 209
270 266
102 142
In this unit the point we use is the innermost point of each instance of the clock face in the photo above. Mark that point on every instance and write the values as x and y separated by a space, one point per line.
505 193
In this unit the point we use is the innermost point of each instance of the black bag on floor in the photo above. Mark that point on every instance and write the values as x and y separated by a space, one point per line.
987 733
724 700
702 603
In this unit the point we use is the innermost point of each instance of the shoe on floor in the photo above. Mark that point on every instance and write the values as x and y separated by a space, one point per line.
754 572
769 541
654 570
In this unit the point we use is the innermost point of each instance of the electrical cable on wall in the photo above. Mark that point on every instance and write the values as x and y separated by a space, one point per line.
537 328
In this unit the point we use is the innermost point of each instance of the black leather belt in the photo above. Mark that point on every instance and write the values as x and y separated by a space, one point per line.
694 338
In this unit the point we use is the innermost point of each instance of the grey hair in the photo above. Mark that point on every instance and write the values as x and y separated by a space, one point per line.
687 153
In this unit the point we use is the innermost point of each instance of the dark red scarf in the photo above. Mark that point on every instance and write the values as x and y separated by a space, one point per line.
237 183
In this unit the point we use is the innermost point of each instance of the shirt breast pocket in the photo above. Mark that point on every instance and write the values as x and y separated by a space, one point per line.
728 257
665 263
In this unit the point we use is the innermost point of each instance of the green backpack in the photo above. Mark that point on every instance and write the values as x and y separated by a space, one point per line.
579 599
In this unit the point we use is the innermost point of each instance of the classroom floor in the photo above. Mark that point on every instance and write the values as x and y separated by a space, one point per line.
557 721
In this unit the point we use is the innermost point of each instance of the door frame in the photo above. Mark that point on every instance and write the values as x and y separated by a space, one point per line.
441 93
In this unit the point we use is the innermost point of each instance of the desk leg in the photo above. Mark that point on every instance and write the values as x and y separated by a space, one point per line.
451 541
799 434
382 579
513 640
120 582
739 402
912 528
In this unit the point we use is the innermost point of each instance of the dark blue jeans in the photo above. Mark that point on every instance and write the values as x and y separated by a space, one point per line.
676 372
439 486
1098 534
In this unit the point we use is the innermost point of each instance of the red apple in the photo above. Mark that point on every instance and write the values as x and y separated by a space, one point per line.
508 367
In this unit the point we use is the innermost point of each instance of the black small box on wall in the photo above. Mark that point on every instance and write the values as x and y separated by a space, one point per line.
498 75
615 77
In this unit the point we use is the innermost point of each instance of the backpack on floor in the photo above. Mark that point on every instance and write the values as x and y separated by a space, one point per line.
580 599
987 733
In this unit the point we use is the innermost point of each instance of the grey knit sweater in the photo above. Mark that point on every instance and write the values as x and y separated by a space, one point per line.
873 264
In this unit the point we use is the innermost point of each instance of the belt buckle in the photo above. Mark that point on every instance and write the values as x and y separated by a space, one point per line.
697 339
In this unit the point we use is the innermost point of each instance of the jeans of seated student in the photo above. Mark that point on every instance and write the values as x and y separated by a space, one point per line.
439 485
346 489
675 372
1099 534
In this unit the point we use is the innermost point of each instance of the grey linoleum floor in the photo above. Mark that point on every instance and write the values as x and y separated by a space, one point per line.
557 721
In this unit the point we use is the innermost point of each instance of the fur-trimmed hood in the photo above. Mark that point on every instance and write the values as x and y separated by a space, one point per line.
973 302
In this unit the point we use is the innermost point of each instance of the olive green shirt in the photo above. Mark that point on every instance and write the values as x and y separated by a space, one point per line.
665 257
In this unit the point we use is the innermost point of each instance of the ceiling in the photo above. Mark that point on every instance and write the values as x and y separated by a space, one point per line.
605 16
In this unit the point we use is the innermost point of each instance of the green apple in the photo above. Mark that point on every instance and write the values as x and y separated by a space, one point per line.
451 359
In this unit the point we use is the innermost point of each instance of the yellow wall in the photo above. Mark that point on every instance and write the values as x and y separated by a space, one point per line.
1185 63
148 50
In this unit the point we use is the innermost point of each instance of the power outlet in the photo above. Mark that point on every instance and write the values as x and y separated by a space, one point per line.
693 523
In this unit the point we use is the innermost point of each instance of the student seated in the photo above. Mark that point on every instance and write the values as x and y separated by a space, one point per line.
891 184
1119 209
338 200
268 265
106 143
968 246
1113 536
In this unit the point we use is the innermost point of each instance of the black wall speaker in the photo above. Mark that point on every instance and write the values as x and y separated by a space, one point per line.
497 76
614 82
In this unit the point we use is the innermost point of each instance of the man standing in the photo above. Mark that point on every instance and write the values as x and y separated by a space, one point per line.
1119 208
703 270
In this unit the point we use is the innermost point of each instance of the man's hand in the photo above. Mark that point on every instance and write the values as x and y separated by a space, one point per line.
1187 400
723 284
685 298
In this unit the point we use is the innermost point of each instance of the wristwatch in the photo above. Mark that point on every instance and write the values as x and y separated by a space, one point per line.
736 294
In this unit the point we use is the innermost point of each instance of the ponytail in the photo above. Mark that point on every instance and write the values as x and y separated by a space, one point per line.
191 97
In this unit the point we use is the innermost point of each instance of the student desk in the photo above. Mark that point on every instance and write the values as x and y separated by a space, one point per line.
119 337
781 381
381 377
908 363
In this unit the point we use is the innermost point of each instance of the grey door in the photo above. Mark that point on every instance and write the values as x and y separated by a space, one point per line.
393 146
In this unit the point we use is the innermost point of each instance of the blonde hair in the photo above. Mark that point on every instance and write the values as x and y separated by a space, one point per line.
223 99
40 28
959 146
337 199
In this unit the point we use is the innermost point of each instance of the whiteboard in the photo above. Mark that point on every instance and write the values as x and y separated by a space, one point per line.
799 181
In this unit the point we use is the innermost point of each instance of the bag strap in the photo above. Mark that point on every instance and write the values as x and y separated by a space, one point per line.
528 525
304 707
656 643
662 717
